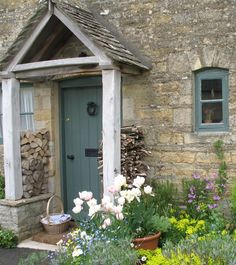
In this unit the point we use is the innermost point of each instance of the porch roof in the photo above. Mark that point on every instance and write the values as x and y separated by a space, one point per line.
98 33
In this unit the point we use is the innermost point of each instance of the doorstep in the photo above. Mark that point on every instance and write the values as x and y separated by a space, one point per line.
29 243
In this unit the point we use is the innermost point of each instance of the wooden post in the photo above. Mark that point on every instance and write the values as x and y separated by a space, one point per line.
111 80
11 138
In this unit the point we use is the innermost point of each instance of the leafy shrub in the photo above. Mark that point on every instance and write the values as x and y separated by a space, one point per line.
36 258
165 196
2 187
7 239
212 249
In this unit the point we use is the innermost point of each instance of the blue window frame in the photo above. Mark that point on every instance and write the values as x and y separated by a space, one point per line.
211 100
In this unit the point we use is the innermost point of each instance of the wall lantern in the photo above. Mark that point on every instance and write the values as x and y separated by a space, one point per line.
92 108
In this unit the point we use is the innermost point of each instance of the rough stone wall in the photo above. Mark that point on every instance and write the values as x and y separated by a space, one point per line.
180 36
44 117
23 216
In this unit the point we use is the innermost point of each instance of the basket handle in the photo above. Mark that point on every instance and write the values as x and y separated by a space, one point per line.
61 204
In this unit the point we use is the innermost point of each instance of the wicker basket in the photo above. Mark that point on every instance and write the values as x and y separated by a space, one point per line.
51 227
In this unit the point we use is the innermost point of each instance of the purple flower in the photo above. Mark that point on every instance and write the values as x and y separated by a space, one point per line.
212 206
196 176
209 186
191 196
192 189
190 201
216 198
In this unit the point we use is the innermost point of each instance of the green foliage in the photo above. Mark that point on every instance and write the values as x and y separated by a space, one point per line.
142 217
36 258
7 239
110 253
165 196
233 200
2 187
219 150
213 249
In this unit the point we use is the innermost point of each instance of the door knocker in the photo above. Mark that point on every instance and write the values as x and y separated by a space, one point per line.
92 108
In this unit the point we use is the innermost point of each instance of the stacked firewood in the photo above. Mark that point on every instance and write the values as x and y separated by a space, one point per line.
34 162
133 152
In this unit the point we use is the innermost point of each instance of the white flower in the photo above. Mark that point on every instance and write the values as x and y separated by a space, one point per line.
113 189
106 223
148 189
118 209
77 209
94 209
143 258
78 201
86 195
119 216
138 181
106 200
60 242
136 192
92 202
119 181
83 234
77 252
121 200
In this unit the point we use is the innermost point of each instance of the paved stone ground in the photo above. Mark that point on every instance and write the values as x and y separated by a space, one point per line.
12 256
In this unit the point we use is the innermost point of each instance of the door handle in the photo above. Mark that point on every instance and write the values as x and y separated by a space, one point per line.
71 157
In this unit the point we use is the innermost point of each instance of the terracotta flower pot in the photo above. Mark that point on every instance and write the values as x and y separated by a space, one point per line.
148 242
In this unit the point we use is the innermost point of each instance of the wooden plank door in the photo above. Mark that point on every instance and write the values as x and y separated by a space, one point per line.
82 126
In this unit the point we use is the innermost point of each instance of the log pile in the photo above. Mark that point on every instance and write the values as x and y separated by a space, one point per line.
133 152
34 162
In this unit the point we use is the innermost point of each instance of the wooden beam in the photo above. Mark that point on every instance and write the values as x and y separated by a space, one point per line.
74 28
19 56
42 74
111 80
11 138
81 61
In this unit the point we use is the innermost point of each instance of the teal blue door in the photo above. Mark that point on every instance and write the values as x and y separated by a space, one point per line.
81 127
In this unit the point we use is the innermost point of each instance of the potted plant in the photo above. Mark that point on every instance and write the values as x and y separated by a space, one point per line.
141 215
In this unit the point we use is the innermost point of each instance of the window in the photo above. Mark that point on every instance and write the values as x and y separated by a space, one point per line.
26 108
211 100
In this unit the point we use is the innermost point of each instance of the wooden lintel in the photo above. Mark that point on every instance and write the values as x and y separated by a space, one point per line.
83 61
51 72
5 74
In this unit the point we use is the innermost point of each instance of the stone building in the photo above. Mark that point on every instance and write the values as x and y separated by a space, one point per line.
61 78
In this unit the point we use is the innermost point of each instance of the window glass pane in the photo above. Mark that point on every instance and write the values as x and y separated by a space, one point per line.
26 100
212 112
27 122
211 89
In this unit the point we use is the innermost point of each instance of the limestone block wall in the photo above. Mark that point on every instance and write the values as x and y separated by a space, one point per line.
23 216
179 37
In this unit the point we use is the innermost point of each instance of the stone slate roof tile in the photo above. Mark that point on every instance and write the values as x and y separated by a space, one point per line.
87 22
24 35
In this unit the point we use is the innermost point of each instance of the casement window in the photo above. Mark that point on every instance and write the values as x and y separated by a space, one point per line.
26 108
211 100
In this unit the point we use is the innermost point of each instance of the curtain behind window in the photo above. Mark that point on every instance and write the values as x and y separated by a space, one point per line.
27 108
